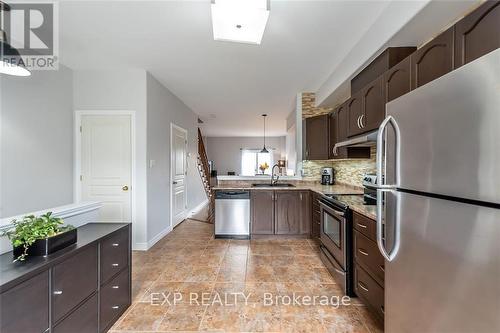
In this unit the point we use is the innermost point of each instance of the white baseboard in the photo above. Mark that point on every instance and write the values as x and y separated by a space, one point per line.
152 241
196 209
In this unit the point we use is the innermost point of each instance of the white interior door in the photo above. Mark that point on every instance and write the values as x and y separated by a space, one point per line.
178 167
106 164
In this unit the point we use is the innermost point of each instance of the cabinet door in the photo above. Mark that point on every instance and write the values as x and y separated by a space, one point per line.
373 105
73 280
82 320
333 132
25 308
288 211
355 110
478 33
432 60
397 80
317 138
305 213
262 203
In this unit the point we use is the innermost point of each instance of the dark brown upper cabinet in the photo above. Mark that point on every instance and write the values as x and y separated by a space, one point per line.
384 61
262 203
339 122
316 145
433 60
355 111
367 108
478 33
373 105
397 80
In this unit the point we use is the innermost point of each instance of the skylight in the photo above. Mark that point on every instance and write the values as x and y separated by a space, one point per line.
242 21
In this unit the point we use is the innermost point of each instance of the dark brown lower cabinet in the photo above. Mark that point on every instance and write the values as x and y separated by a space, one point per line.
262 203
316 216
25 308
80 301
369 291
283 212
82 320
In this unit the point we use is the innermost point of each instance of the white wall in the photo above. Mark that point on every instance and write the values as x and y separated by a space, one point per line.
121 90
164 108
36 141
226 151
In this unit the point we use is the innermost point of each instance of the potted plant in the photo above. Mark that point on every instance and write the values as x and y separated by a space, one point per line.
263 167
39 236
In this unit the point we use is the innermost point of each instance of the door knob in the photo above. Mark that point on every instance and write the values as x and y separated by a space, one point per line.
125 188
175 183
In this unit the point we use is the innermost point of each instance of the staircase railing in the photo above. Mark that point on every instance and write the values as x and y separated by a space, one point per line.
204 170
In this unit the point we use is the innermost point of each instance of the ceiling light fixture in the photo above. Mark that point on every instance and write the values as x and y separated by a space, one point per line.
264 150
10 60
242 21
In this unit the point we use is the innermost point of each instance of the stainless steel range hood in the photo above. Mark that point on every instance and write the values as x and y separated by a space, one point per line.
365 140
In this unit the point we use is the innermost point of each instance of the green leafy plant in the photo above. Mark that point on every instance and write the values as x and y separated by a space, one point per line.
26 231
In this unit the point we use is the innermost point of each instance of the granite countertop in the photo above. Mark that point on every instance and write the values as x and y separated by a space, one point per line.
356 205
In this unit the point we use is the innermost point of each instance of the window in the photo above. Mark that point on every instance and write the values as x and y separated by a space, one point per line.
251 159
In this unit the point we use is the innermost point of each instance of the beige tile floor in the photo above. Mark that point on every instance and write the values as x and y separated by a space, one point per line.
191 282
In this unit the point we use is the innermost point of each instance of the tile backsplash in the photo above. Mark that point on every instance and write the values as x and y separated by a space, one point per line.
346 171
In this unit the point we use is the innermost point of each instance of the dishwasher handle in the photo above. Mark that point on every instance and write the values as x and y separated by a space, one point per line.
232 195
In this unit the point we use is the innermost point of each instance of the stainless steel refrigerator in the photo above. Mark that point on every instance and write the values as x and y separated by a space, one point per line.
438 159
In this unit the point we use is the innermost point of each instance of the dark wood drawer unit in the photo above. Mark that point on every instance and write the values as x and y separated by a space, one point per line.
316 143
386 60
114 299
114 254
61 291
316 216
262 207
73 280
82 320
478 33
369 291
366 254
433 60
25 308
365 225
397 80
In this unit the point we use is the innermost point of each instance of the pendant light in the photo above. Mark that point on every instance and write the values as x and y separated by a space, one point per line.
10 60
264 150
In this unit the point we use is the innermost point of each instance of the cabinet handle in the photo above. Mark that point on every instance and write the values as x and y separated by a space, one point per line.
116 244
361 225
363 252
382 268
382 309
362 286
115 287
300 196
361 121
359 117
115 307
114 265
58 292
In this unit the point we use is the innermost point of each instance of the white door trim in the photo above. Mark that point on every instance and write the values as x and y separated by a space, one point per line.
172 126
77 192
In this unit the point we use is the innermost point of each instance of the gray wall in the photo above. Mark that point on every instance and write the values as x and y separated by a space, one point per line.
226 151
164 108
36 145
121 90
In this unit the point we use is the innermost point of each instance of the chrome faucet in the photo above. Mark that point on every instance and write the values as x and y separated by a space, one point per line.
273 182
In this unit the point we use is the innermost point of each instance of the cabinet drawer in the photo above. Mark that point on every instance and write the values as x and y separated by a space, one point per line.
369 291
73 280
25 308
115 298
114 254
82 320
366 253
364 225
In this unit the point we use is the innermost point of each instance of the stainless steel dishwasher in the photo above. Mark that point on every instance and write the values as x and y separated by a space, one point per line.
232 214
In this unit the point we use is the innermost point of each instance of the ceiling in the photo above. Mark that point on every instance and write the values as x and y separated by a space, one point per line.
229 85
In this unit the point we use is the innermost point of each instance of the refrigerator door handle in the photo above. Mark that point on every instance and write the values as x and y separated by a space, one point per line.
381 153
397 225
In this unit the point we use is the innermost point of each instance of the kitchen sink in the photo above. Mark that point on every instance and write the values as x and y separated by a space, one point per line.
273 185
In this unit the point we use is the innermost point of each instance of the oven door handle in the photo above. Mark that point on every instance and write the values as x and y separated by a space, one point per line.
330 209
